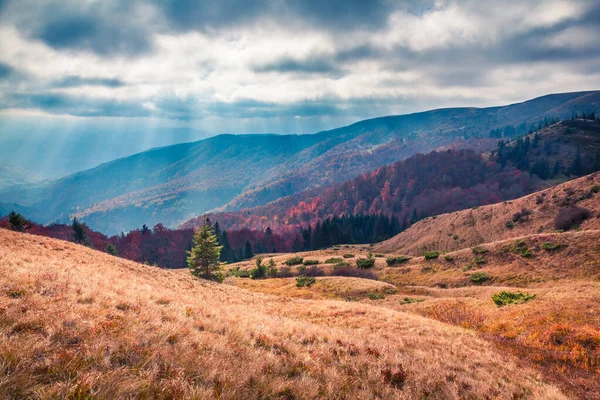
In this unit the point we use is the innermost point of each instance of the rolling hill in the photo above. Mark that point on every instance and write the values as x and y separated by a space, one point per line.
122 329
528 215
231 172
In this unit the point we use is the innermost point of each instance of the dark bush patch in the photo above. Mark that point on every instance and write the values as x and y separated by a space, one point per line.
448 258
376 296
571 216
509 224
521 215
479 260
334 260
365 263
348 255
310 262
505 298
293 261
430 255
479 277
391 261
305 281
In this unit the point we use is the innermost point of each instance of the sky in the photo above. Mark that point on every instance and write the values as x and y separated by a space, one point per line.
283 66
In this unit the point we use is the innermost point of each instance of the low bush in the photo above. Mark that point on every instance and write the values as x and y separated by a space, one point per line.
310 262
509 224
504 298
479 250
379 255
260 271
305 281
479 277
395 378
595 189
550 246
479 260
293 261
334 260
285 272
365 263
348 271
430 255
348 256
571 216
376 296
410 300
521 215
448 258
391 261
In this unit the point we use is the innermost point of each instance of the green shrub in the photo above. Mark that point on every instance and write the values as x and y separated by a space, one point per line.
455 237
409 300
430 255
509 224
348 255
305 281
505 298
391 261
310 262
365 263
480 260
550 246
595 188
479 250
272 269
293 261
376 296
426 268
260 271
334 260
341 264
448 258
379 255
479 277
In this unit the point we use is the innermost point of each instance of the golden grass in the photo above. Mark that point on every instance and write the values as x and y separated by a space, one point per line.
467 228
76 323
326 287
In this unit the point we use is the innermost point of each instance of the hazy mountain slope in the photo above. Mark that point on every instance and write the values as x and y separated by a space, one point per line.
13 175
123 329
471 227
175 183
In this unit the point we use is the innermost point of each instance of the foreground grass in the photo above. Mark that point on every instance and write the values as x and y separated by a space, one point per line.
75 323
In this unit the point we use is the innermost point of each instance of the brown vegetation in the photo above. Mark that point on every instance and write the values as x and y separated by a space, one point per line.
76 323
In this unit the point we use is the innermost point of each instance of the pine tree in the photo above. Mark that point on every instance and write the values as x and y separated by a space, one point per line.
79 235
18 222
203 259
248 253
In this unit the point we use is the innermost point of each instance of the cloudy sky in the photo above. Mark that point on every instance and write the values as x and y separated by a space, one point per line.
284 65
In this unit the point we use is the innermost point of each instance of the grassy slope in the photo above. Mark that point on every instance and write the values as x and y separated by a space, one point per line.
78 323
471 227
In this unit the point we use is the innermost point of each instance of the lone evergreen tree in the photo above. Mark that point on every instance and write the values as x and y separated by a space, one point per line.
18 222
79 235
203 259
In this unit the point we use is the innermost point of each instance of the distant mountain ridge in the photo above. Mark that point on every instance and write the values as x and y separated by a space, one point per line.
232 172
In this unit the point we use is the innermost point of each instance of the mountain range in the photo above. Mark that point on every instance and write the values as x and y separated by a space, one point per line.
233 172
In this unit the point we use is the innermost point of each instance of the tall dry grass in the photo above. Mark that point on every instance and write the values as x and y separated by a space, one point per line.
76 323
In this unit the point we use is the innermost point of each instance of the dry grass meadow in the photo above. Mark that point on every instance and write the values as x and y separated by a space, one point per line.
76 323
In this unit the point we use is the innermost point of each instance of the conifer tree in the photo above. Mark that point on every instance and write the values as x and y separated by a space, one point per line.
79 235
18 222
203 258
